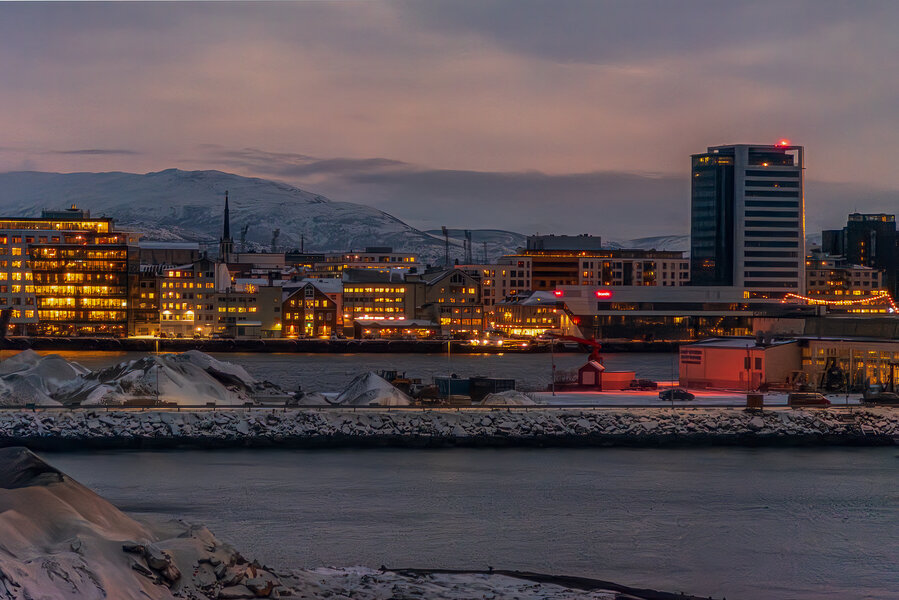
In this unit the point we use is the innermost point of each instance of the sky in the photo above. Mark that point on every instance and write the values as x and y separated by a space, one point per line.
563 116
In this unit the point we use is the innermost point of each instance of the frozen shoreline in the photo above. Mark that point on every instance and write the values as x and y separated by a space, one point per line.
404 427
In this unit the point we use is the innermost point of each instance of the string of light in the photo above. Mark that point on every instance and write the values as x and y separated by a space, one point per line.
879 296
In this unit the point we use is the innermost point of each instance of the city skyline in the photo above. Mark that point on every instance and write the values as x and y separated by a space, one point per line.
515 115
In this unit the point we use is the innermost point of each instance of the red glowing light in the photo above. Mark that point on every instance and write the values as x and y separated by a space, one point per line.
783 143
558 293
603 293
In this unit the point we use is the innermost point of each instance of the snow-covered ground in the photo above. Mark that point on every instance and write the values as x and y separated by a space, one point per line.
651 398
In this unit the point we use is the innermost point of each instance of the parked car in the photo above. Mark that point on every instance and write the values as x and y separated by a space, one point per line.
807 399
676 394
885 398
644 384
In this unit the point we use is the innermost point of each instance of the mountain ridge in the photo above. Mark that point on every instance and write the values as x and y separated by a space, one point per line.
175 205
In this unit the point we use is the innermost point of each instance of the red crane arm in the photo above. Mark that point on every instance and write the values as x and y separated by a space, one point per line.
594 354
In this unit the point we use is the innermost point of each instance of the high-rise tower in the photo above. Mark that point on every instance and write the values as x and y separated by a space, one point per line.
748 219
226 244
870 240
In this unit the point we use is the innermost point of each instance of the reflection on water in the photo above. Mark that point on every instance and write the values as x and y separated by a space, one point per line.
742 523
331 372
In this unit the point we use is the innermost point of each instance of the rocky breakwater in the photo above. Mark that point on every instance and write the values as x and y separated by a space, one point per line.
535 426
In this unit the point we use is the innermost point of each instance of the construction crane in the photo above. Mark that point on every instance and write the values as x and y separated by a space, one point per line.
275 234
243 237
446 239
468 257
591 342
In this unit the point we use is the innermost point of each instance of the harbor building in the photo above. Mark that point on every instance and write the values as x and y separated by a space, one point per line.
531 315
450 297
144 301
747 219
375 258
868 240
69 274
370 295
187 298
84 270
308 312
535 270
835 278
673 313
740 363
838 364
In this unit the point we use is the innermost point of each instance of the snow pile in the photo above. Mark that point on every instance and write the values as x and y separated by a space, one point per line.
183 379
189 378
508 398
29 378
369 389
309 399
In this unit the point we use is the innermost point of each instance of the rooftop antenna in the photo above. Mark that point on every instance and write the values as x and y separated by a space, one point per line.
468 257
446 238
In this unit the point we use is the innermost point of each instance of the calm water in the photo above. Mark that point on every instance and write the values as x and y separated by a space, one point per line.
742 523
331 372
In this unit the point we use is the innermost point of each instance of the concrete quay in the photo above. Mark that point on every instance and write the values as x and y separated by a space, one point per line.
340 346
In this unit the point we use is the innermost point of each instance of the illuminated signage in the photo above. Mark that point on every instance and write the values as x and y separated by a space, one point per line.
603 293
557 293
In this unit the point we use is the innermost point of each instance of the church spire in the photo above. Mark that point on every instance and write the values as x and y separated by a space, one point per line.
226 244
226 234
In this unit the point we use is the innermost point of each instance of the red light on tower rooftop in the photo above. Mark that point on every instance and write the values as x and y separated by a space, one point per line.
783 143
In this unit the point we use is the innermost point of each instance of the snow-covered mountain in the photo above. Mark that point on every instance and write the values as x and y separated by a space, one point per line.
660 242
187 205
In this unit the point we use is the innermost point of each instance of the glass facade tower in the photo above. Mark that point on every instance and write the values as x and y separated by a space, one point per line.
748 219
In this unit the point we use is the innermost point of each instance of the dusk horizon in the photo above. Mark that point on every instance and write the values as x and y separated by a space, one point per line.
520 107
449 299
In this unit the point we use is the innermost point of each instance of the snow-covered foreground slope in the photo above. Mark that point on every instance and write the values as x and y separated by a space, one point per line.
60 540
187 205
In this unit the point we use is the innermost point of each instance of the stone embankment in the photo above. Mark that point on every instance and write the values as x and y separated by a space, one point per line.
60 429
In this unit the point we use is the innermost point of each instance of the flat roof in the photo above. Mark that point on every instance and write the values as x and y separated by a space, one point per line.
157 245
740 343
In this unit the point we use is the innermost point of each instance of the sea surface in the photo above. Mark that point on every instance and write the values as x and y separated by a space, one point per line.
332 372
751 524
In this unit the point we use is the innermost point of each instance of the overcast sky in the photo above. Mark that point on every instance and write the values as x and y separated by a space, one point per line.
567 116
